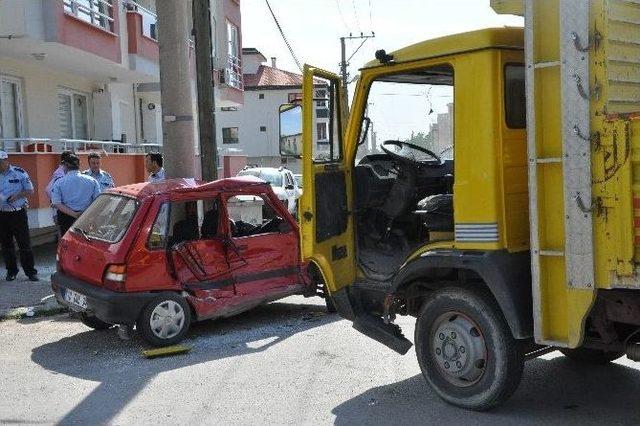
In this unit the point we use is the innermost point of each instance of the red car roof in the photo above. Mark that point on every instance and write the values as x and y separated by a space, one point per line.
146 189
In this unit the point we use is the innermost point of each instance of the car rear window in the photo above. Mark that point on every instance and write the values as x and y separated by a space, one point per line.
273 177
107 218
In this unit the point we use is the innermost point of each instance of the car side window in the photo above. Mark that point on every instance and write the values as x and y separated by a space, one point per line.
158 234
182 221
252 215
288 179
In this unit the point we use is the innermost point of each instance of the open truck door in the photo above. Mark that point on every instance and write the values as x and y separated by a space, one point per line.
313 132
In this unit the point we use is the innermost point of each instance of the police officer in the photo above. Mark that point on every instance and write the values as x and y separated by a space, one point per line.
72 194
15 185
153 164
104 179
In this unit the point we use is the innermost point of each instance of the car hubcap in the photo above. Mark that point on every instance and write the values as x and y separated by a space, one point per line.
459 349
167 319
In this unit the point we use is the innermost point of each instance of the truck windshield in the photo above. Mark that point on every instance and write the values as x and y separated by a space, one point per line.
107 218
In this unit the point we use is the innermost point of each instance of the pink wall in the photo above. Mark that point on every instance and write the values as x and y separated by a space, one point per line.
140 44
91 38
231 165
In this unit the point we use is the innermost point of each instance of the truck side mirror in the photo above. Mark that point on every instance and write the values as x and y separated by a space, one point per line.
290 130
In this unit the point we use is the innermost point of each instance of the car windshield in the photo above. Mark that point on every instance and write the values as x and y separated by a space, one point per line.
272 176
107 218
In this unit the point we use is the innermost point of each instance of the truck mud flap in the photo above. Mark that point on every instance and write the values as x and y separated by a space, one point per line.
388 334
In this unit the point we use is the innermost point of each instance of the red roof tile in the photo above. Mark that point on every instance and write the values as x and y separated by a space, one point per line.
269 76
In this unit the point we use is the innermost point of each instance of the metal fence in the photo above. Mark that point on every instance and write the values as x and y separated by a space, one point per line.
34 145
149 19
96 12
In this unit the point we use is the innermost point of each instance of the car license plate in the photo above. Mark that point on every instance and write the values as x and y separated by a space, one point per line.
76 299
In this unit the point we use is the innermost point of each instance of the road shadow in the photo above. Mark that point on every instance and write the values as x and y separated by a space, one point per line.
122 372
555 391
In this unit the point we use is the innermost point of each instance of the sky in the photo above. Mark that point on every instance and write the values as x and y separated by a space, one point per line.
314 27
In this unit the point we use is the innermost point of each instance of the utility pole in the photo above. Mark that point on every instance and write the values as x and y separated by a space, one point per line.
344 64
205 84
174 26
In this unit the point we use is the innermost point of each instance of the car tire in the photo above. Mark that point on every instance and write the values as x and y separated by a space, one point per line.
94 322
466 350
165 320
589 356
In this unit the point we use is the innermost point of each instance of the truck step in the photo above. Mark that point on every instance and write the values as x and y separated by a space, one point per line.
388 334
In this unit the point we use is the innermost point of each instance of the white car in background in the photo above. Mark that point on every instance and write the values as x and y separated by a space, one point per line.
282 182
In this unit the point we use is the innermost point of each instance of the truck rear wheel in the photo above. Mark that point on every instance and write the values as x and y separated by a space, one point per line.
466 350
165 320
591 356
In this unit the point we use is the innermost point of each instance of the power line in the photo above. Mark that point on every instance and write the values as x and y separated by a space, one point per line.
355 13
370 18
344 22
295 58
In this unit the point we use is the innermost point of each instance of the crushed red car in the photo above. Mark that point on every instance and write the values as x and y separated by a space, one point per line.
159 256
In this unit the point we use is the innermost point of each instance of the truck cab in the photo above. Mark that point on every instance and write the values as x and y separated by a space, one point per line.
481 229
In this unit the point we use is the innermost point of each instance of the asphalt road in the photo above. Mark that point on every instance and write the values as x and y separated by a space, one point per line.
284 363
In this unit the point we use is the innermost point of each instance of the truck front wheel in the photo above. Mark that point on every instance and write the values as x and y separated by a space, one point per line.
466 350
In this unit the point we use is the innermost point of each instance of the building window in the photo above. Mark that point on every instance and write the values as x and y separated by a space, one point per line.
73 115
230 135
95 12
261 96
322 111
322 132
294 97
10 107
263 128
233 71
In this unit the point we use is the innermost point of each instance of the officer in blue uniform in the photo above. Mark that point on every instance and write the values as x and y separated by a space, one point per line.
15 185
104 179
73 193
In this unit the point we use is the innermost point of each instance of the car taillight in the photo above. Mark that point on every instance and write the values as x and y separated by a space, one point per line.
114 277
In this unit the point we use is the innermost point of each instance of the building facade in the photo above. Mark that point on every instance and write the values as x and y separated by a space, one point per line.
253 130
84 75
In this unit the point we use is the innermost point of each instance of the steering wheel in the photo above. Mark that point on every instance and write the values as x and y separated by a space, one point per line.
412 154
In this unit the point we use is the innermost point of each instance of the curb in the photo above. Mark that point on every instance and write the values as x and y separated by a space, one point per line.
48 306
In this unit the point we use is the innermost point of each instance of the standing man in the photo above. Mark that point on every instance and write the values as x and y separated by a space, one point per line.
104 179
72 194
15 185
153 164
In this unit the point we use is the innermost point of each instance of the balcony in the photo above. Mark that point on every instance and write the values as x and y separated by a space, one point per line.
230 90
142 36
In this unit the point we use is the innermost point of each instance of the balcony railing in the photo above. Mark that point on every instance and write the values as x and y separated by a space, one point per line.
76 145
149 19
95 12
233 73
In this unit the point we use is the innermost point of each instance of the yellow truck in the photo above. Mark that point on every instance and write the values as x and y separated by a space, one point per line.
526 237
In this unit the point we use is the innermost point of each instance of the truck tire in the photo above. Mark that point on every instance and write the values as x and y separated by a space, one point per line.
165 320
94 322
591 356
466 350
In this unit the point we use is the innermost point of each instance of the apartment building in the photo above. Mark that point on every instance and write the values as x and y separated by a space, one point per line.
253 129
84 74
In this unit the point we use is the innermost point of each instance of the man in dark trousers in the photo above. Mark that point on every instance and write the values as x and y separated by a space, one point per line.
15 185
73 193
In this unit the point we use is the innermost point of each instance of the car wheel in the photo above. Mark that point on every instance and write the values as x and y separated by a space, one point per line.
466 350
94 322
165 320
591 356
